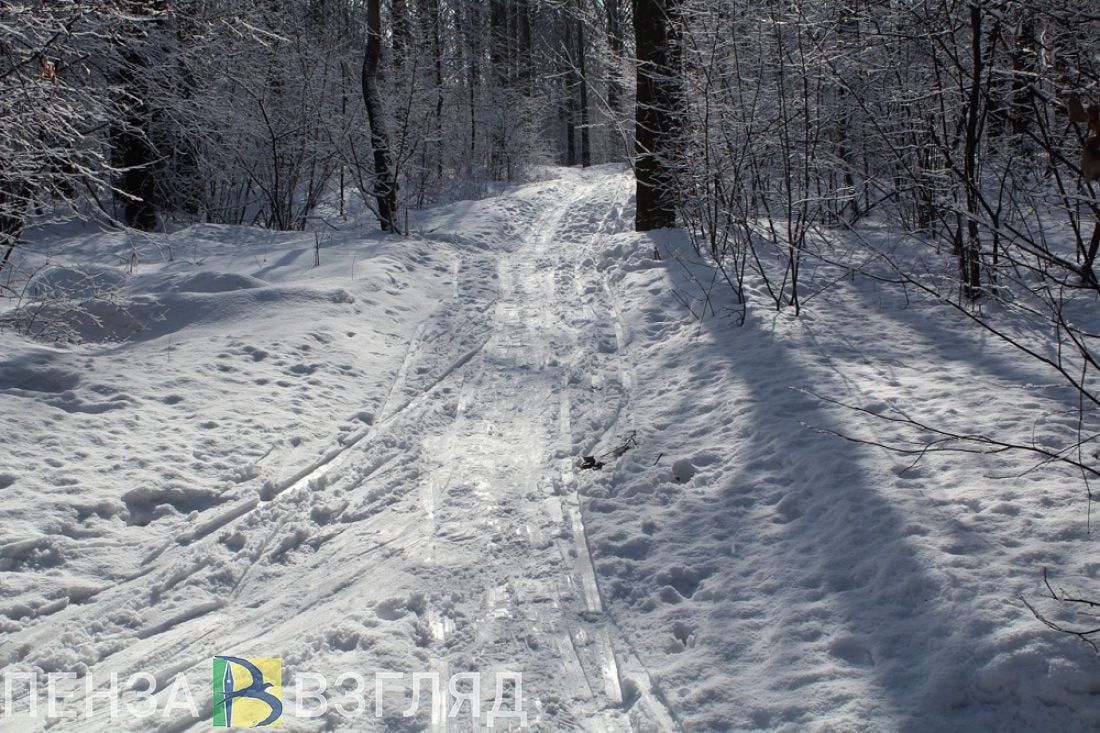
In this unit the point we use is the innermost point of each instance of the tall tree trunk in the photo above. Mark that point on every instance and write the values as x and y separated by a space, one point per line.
498 42
582 97
385 187
524 61
500 68
615 45
970 267
657 35
133 153
14 196
471 21
571 83
431 29
402 32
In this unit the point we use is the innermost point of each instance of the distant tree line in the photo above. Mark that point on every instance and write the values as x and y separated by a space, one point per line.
750 122
250 112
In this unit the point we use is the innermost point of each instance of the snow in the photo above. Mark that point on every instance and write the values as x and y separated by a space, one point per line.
374 464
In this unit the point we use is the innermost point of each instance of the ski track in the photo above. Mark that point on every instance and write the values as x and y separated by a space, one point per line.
455 517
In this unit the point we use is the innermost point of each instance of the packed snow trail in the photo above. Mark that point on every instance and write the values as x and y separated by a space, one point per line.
444 538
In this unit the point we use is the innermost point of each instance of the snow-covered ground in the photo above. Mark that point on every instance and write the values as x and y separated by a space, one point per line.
370 465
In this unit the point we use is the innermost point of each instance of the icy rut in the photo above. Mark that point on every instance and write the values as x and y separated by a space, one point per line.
445 538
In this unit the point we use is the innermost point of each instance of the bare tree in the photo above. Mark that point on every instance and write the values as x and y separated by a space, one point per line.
657 34
385 185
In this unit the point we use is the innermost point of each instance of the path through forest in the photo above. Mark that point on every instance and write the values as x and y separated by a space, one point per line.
450 525
363 458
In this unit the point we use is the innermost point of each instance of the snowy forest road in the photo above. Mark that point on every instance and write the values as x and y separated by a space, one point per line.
367 460
444 541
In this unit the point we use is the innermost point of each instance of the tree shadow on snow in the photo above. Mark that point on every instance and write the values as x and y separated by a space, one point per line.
812 600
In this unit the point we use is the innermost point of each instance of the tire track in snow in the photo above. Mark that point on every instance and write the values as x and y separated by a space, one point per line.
625 676
494 454
592 654
585 567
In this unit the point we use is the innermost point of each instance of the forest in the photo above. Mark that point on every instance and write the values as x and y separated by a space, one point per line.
946 152
957 121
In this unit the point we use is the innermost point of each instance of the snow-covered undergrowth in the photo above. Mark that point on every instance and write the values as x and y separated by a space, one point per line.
777 577
371 464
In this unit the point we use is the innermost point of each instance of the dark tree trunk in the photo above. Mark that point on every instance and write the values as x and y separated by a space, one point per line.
1024 65
132 151
615 45
571 81
472 48
431 29
402 32
133 156
14 196
524 60
500 67
385 187
498 42
582 97
570 129
657 35
970 267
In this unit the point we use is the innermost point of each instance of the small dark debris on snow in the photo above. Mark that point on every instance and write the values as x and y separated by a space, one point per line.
593 462
631 441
